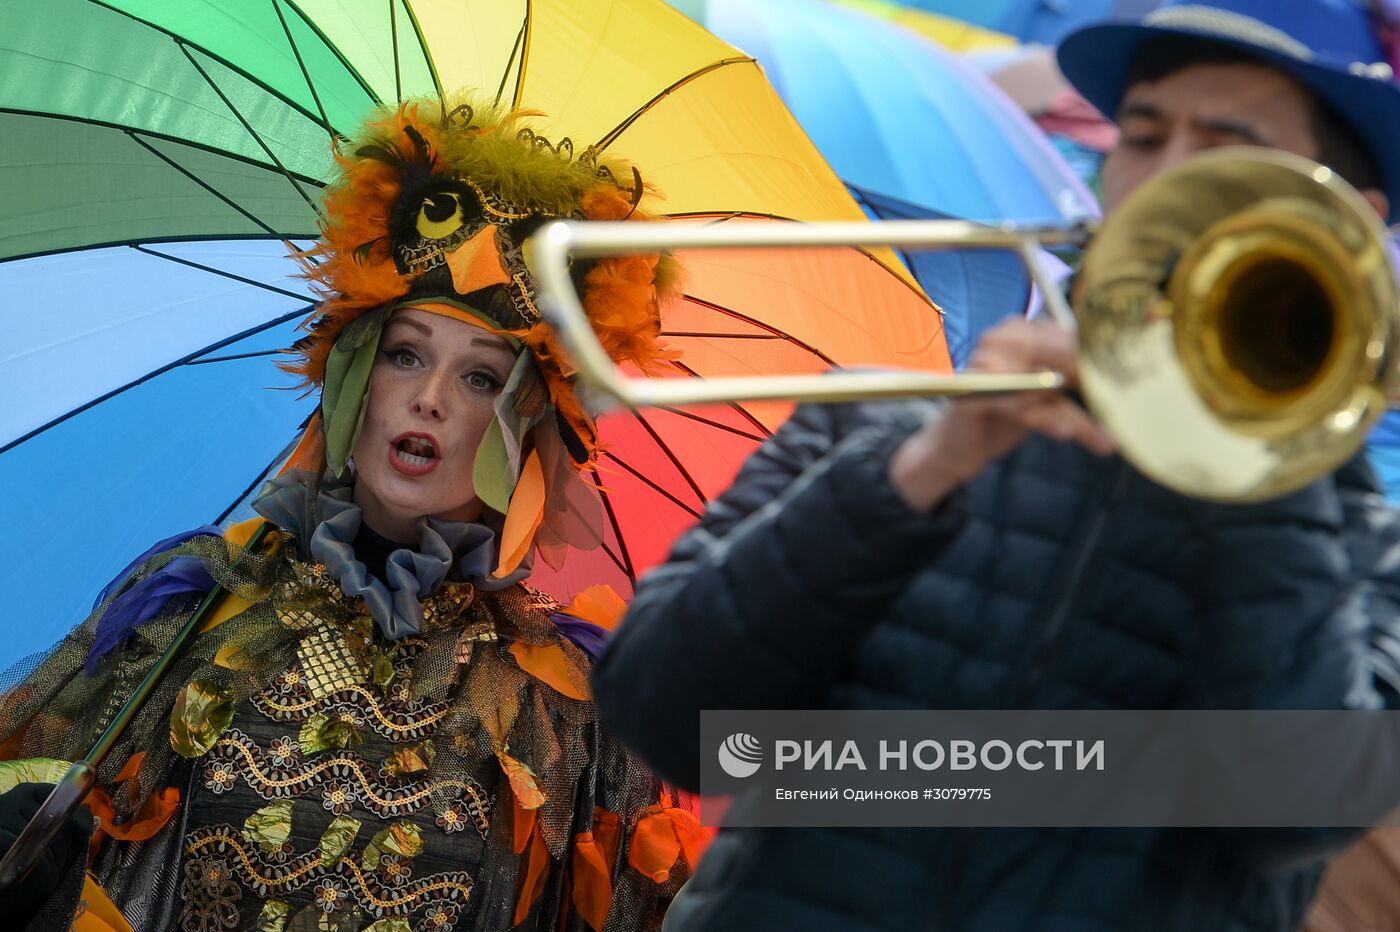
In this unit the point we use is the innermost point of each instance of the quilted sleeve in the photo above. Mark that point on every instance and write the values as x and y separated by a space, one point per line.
1301 610
761 604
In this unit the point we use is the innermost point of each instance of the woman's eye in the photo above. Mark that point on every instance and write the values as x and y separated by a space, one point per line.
484 381
402 357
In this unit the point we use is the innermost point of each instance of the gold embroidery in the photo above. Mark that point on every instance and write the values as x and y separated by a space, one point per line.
386 801
217 839
267 704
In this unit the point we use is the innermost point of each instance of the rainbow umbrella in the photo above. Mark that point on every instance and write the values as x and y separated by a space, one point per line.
155 154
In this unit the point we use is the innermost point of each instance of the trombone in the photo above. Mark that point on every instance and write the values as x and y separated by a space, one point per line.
1236 316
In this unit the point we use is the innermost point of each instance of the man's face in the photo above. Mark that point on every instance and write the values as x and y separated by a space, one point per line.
1204 107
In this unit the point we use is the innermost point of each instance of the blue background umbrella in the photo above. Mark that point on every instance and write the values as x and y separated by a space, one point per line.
899 116
1046 21
916 133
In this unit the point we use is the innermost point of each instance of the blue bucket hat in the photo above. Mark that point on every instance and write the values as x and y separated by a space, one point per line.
1330 47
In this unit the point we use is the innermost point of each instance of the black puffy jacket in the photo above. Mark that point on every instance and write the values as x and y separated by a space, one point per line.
1055 579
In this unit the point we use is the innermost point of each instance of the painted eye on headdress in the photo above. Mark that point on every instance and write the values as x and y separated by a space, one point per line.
440 215
434 211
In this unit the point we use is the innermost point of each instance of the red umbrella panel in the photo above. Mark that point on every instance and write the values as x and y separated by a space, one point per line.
821 308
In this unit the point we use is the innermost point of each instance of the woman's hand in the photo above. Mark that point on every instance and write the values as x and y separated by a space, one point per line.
975 430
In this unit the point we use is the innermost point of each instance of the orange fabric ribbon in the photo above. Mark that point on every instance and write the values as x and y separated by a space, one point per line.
96 912
550 665
595 853
152 817
528 833
599 605
662 835
310 453
523 517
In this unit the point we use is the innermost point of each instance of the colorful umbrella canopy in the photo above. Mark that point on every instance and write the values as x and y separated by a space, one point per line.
917 134
897 115
155 154
955 35
1045 21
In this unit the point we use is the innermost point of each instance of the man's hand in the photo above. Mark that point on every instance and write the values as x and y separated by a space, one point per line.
975 430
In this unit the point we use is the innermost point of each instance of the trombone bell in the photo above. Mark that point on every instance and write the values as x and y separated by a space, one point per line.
1237 321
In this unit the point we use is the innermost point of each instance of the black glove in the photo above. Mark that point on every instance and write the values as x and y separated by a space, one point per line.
17 807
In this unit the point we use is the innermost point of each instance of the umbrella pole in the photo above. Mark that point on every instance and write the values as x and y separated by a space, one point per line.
70 792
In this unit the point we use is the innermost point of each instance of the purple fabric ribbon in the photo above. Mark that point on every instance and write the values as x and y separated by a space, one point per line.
588 636
143 601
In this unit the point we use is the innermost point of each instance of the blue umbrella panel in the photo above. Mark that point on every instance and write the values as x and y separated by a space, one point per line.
150 405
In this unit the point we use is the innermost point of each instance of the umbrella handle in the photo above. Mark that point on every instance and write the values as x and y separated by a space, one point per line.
70 792
44 827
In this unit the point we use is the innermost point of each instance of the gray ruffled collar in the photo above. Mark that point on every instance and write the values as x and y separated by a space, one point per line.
326 525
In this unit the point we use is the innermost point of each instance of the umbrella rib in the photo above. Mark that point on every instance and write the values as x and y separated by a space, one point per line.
736 214
199 181
349 69
510 63
227 341
617 561
733 405
235 357
222 153
213 271
222 237
675 460
394 40
287 30
626 565
283 453
655 487
720 336
180 40
251 132
715 424
729 312
524 55
427 55
618 130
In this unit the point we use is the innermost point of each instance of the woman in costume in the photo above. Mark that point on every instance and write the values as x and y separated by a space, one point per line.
381 727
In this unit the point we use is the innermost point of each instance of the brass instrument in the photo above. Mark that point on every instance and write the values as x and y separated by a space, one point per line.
1237 319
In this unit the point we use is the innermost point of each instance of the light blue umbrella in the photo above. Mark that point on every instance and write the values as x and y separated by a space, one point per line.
898 116
917 134
1044 21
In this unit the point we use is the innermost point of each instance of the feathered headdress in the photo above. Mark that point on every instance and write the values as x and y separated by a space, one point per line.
432 208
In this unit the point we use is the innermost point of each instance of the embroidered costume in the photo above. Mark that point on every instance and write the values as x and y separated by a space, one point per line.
368 735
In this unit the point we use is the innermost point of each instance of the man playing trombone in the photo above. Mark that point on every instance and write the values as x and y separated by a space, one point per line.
994 552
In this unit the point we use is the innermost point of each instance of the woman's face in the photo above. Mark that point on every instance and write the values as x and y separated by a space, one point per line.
430 401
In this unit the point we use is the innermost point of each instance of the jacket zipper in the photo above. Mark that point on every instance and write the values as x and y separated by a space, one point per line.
1068 593
1049 634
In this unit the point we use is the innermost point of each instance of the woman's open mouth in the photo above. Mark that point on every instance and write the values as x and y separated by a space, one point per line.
414 454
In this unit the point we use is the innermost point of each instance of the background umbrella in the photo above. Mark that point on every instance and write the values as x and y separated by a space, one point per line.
955 35
1045 21
153 155
917 133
